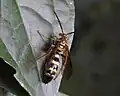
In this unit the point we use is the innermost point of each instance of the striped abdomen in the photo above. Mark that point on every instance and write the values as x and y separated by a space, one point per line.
52 66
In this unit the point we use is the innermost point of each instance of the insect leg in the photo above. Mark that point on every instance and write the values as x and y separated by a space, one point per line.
70 33
48 51
41 35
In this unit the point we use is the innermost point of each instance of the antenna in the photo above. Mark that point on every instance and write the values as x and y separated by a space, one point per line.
69 33
59 21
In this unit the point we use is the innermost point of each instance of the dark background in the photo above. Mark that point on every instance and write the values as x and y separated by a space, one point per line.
96 50
8 82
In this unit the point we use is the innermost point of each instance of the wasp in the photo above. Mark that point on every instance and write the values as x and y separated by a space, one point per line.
58 50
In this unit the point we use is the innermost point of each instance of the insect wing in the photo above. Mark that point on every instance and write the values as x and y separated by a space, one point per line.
68 66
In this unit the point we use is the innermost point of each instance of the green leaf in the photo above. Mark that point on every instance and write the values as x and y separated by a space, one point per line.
20 43
14 37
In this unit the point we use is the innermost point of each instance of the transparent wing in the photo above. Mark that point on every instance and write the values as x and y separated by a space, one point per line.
68 65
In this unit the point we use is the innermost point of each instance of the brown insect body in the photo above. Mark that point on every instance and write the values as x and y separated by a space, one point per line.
52 62
52 65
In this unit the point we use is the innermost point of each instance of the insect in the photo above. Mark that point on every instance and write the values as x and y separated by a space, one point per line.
59 48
